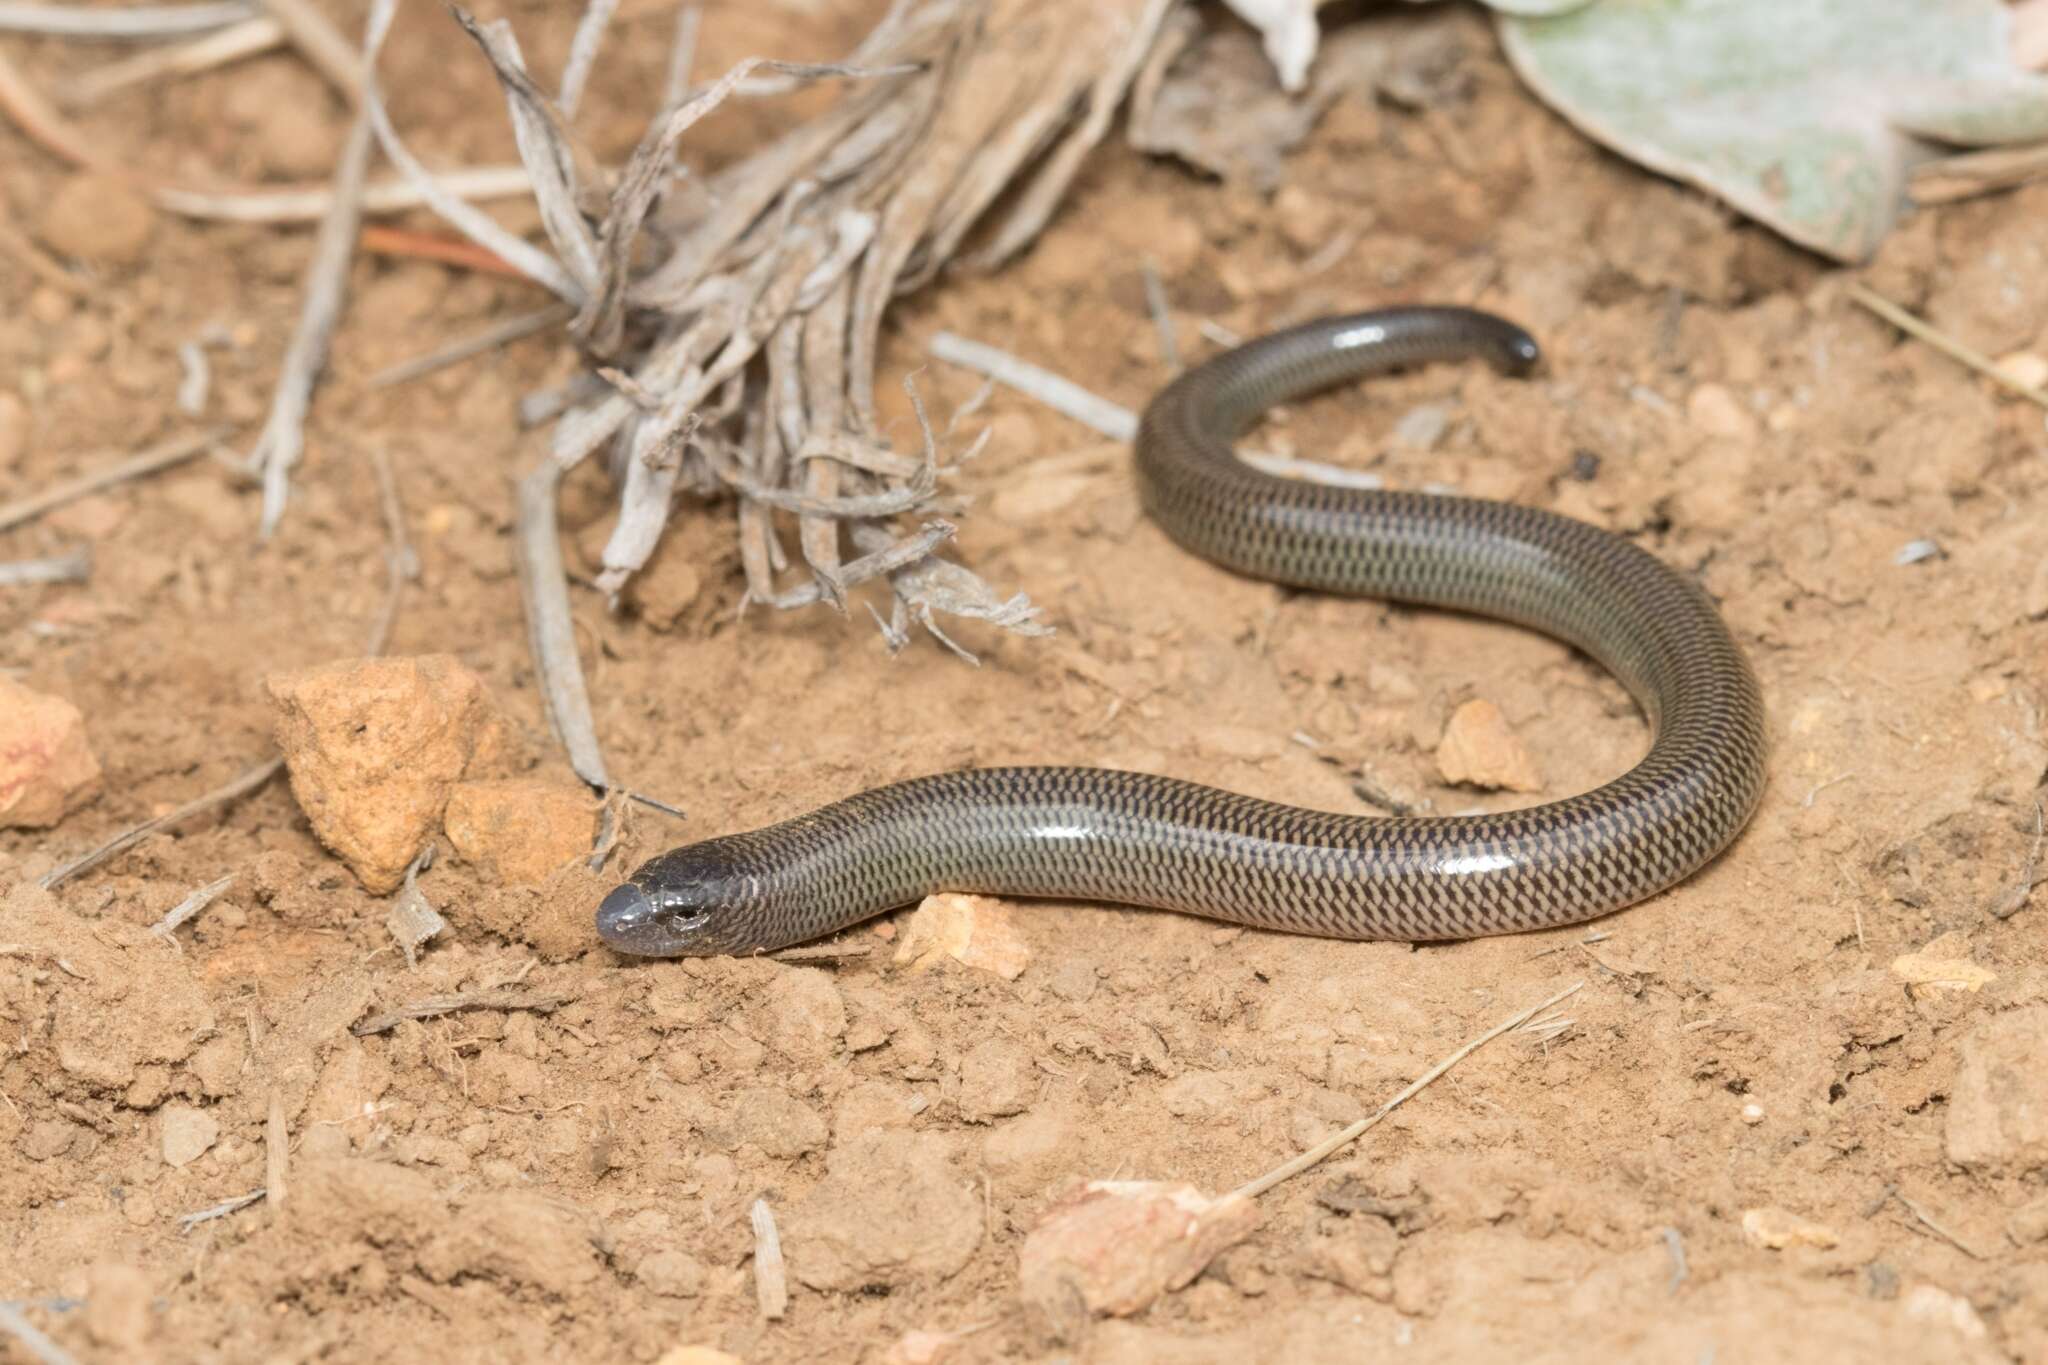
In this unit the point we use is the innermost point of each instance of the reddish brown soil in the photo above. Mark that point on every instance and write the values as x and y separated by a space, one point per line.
576 1184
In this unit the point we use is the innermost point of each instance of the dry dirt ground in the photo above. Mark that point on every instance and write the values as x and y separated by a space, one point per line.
576 1184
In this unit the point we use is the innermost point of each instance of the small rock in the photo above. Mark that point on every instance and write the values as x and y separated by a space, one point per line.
1480 749
1112 1247
520 830
806 1016
975 931
1926 1303
698 1355
1942 965
46 768
2024 367
1998 1107
996 1078
374 748
672 1274
1306 220
98 218
48 1138
1422 427
890 1211
1717 412
777 1122
187 1133
1776 1229
1752 1113
919 1347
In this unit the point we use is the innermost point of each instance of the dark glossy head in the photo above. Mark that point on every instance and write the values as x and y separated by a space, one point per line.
690 902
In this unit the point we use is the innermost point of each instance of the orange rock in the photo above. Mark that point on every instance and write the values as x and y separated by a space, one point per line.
375 746
974 931
1114 1246
46 768
1479 749
521 829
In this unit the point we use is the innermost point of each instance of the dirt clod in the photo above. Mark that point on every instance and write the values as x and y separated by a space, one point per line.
1480 749
1112 1247
375 747
891 1211
519 830
46 767
1998 1112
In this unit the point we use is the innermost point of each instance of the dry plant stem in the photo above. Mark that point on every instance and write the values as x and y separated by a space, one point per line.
824 952
143 22
1162 319
1936 1228
191 905
239 203
322 45
682 55
1323 1149
188 1221
771 1277
433 189
489 339
239 787
47 1352
550 626
174 451
435 1005
1943 342
1061 395
1973 173
2015 900
231 44
75 567
597 16
283 440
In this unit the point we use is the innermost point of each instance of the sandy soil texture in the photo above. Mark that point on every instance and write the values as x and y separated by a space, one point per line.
1762 1137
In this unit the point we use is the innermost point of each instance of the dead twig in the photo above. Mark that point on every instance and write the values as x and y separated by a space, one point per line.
550 626
1162 319
1674 1242
231 203
74 567
1063 396
160 457
282 441
322 45
1943 342
2030 876
489 339
434 1005
250 781
597 16
1968 174
185 909
141 22
1934 1226
824 952
1323 1149
188 1221
771 1277
248 38
15 1323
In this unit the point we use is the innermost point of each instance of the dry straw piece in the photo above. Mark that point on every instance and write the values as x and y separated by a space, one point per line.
736 320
